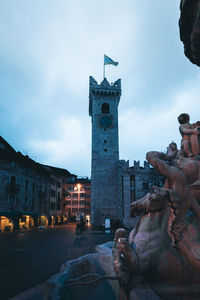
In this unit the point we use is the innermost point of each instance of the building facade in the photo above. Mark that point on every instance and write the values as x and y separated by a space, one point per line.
77 202
31 194
24 190
58 180
103 109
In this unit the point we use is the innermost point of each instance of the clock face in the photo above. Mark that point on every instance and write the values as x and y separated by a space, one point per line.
105 122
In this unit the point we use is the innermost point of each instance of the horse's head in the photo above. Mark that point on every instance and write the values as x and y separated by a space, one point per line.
155 200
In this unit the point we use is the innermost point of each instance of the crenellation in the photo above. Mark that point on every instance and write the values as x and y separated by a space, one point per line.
136 164
115 184
146 165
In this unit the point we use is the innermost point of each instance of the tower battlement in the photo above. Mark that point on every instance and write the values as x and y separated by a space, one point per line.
104 89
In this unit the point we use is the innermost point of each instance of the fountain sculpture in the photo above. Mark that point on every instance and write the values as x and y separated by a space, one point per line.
162 251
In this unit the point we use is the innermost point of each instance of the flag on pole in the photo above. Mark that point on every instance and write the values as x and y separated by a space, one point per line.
109 61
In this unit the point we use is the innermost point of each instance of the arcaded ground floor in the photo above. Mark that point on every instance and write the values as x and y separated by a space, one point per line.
29 258
25 222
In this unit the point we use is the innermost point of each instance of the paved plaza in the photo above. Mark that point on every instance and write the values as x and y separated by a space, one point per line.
30 258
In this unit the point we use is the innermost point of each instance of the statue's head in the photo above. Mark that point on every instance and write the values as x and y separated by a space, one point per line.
173 146
172 151
198 123
183 118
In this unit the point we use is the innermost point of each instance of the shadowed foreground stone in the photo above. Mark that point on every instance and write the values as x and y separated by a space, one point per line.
95 263
91 265
100 264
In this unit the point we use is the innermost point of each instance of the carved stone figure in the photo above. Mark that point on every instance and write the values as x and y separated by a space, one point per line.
190 136
163 249
172 151
189 24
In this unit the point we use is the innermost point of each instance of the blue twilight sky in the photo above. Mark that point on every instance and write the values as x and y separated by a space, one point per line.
49 48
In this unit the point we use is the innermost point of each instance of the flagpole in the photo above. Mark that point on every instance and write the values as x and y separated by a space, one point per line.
103 69
108 61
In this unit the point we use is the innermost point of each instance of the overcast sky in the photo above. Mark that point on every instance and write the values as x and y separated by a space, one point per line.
49 48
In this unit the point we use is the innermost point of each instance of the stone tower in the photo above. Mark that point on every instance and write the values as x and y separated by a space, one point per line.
103 109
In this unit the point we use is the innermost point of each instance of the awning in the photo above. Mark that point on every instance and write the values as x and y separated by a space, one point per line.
9 213
29 213
18 213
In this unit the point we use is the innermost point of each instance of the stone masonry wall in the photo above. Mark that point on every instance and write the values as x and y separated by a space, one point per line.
105 156
137 182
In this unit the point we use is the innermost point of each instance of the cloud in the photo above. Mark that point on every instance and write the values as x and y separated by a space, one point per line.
68 148
48 50
155 128
72 39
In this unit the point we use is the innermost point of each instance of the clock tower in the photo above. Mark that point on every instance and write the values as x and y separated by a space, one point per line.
103 109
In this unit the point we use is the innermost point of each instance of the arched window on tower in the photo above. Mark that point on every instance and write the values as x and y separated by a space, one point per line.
105 109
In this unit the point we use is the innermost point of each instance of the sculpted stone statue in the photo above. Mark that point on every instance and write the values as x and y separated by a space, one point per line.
189 133
189 24
163 249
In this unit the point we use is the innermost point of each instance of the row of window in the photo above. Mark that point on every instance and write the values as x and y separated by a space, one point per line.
28 203
147 184
81 210
75 188
54 182
75 195
53 194
5 180
78 202
27 185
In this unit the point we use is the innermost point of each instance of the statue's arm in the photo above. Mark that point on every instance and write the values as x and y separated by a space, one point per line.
159 161
184 130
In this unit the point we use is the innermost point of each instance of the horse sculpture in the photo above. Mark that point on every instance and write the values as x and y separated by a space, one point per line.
163 249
